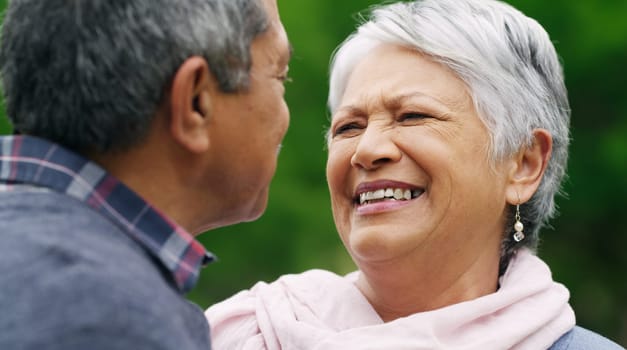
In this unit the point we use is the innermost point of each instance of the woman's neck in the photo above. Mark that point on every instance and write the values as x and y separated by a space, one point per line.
411 285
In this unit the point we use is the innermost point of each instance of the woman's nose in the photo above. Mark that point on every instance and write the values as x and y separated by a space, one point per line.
375 148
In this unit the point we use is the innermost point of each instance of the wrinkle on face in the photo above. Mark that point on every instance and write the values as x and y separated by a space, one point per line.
419 118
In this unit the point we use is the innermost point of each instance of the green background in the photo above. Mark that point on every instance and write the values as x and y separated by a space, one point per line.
586 245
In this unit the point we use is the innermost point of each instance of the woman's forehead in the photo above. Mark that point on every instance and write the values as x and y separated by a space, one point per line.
394 75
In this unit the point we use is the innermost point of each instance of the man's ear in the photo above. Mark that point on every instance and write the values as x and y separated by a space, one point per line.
190 104
528 167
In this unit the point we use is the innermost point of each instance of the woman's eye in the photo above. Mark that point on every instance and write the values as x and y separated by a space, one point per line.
342 129
413 116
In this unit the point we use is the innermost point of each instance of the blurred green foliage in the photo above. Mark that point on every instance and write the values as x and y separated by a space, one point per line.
586 245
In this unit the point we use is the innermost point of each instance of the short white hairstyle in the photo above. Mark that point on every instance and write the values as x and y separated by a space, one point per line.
507 61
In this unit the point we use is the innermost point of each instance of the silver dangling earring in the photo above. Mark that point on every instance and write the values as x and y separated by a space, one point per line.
518 226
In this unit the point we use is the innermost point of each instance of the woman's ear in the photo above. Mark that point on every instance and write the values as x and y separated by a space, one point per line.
528 167
190 104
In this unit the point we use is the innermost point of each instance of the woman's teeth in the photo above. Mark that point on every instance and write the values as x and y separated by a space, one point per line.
388 193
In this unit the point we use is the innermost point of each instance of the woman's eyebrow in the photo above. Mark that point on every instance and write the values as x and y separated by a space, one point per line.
350 109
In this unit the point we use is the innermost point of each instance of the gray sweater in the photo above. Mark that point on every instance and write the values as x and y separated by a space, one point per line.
71 279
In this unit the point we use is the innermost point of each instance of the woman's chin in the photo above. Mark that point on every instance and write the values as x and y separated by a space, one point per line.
374 246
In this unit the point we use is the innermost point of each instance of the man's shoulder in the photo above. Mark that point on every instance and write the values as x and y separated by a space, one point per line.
98 304
70 247
580 338
51 230
74 278
39 206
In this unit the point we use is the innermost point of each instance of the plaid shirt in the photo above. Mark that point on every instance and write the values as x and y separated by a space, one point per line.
40 164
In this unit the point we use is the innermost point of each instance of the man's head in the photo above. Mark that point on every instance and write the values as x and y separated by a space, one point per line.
90 75
170 96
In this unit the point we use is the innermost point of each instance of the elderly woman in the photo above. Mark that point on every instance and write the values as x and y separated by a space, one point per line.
447 145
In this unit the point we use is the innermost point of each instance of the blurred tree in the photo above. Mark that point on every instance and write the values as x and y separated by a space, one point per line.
585 245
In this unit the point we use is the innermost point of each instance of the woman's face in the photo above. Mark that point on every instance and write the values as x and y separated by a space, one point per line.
408 166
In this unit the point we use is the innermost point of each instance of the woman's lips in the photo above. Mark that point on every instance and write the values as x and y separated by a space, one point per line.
384 195
384 205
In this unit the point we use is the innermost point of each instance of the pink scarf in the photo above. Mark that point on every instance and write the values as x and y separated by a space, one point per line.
320 310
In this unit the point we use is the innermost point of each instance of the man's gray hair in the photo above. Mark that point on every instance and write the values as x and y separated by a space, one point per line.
510 66
91 74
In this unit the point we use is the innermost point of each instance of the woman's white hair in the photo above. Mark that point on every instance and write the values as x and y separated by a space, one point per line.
509 64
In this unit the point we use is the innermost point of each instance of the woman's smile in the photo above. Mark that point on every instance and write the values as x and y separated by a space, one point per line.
384 196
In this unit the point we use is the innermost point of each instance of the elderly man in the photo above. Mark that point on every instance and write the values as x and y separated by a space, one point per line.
141 123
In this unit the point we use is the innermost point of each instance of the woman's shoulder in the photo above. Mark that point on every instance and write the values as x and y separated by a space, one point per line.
305 282
315 278
580 338
248 318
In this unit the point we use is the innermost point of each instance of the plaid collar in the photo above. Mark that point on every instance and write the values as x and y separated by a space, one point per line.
32 161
